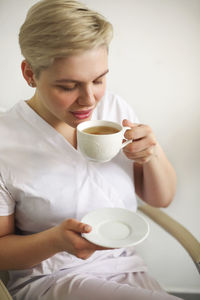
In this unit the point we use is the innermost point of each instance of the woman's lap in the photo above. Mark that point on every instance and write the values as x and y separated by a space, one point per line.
65 286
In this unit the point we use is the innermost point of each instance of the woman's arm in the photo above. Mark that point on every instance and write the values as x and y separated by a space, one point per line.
23 252
155 181
155 178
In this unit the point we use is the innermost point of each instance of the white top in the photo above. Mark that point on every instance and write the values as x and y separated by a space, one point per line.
44 180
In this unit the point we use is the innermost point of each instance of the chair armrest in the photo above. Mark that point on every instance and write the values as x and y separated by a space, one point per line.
178 231
4 294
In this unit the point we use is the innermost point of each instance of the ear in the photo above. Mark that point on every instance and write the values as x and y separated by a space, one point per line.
28 73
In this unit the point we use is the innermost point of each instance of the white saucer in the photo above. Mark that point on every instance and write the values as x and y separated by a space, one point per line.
115 227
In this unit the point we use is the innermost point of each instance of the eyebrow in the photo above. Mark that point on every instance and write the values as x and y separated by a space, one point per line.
64 80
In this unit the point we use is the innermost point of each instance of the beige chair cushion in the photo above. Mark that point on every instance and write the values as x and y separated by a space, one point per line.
4 294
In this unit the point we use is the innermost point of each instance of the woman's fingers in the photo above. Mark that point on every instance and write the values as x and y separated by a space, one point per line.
137 131
140 145
141 157
75 225
143 143
72 241
127 123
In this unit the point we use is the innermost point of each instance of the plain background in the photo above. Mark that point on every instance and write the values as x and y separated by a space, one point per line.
155 66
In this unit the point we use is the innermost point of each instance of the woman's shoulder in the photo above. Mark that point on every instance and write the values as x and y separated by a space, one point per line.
11 115
114 107
113 98
10 122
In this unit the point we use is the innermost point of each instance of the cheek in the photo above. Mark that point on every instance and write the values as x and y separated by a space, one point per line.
100 92
59 99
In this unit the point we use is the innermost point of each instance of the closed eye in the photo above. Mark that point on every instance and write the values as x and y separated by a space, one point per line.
66 88
98 82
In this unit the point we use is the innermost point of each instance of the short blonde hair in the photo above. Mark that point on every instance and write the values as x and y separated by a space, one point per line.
60 28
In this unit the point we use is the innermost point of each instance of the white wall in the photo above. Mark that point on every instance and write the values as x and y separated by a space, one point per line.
155 65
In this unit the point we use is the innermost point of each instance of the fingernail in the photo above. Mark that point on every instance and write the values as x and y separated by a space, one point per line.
87 227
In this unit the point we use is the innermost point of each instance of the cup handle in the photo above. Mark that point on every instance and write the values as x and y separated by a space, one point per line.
127 141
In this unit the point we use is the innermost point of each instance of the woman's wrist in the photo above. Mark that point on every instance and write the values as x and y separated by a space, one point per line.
54 239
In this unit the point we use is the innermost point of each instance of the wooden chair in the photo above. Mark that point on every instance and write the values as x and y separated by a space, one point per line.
179 232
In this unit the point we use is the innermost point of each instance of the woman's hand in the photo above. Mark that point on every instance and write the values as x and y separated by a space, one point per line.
143 147
69 239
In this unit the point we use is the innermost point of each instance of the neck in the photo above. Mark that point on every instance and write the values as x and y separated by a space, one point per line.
68 132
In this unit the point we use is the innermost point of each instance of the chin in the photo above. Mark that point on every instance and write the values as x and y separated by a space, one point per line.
76 122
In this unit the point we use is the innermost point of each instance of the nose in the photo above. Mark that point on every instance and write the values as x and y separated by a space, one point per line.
86 96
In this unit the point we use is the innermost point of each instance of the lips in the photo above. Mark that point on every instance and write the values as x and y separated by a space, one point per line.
82 114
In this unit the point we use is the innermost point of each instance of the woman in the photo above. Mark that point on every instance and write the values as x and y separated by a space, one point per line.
46 186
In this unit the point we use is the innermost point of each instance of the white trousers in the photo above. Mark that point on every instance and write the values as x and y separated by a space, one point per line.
65 286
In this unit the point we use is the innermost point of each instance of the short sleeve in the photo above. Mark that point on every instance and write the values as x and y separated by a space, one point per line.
126 110
7 204
114 108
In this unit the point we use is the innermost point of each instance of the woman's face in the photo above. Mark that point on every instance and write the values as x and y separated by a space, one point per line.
70 89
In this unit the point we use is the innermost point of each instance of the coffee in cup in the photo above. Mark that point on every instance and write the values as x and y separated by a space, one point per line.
100 140
101 130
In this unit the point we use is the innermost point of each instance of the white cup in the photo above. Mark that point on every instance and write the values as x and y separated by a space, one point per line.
100 147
